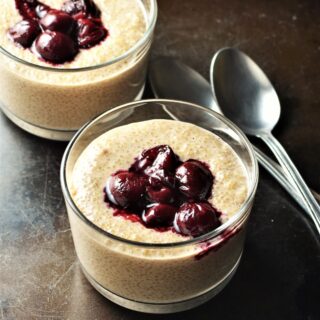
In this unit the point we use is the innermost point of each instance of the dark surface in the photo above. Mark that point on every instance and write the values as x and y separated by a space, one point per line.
279 276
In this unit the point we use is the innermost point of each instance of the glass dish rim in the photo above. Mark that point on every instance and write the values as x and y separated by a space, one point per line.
140 43
237 217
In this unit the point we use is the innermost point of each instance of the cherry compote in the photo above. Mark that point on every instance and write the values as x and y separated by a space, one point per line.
165 192
57 35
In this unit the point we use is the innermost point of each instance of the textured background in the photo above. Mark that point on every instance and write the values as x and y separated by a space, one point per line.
278 277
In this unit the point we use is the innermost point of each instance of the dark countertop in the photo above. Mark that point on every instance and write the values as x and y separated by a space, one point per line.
279 276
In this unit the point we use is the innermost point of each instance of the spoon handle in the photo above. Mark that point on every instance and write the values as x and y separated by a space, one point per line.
276 171
292 172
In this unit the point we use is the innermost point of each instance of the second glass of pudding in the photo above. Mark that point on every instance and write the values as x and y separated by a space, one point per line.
54 100
151 269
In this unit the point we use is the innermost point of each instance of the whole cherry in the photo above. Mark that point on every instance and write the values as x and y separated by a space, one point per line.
55 47
126 189
166 159
159 215
145 159
90 33
56 20
163 166
195 219
194 179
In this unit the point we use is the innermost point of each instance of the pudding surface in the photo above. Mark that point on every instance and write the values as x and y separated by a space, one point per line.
116 150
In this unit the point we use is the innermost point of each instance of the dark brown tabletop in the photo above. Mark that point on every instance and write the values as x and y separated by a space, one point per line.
279 276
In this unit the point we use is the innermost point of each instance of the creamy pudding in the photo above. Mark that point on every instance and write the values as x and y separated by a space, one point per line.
59 100
164 273
117 149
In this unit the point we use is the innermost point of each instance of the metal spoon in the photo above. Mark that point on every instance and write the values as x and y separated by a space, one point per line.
248 98
172 79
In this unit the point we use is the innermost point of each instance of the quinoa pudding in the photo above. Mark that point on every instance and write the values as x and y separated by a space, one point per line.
59 91
160 275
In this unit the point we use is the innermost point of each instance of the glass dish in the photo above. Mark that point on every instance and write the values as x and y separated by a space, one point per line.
159 278
55 102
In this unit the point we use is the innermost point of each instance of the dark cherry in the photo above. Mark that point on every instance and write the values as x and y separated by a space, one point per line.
145 159
84 7
126 189
56 20
163 166
194 179
195 219
42 10
55 47
161 195
161 156
167 192
159 215
90 33
24 32
166 159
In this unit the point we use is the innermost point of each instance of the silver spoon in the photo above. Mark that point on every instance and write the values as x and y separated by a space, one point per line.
247 97
172 79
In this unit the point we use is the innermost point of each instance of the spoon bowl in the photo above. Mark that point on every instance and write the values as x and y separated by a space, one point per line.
172 79
244 91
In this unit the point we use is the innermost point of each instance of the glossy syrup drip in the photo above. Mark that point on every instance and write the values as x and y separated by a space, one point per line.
56 36
208 246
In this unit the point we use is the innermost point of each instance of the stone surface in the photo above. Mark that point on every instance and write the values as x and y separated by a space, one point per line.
278 277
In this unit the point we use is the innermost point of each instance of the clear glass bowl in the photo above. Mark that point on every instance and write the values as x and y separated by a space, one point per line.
159 278
55 102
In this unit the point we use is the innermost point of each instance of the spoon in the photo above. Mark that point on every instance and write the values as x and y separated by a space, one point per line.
247 97
171 79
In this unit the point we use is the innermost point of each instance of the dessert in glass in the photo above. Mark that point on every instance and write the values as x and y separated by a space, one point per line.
158 194
63 62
